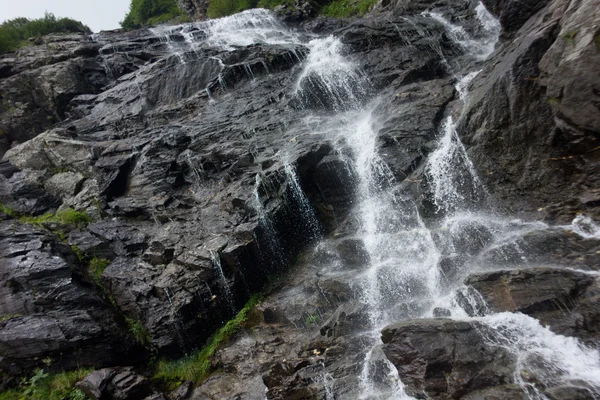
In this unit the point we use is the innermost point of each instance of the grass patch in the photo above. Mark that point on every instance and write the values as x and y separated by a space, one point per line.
312 319
273 3
64 217
197 366
97 267
347 8
151 12
139 333
8 211
14 33
44 386
6 317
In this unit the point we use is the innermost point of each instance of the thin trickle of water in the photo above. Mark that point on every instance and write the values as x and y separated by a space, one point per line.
274 246
454 182
216 261
302 203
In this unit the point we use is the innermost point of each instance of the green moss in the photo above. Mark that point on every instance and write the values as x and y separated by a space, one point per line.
64 217
197 366
597 40
8 211
6 317
139 333
553 100
44 386
347 8
570 36
97 267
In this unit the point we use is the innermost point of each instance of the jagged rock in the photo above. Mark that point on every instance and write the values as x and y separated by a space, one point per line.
537 91
183 391
570 393
514 13
55 313
444 358
115 383
353 253
348 318
562 299
64 184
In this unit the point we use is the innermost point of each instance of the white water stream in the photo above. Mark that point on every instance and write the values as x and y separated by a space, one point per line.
404 278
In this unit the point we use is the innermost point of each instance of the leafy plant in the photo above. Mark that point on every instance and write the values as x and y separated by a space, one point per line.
15 32
197 366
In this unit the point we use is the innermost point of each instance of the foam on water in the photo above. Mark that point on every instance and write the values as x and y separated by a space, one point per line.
330 78
585 227
246 28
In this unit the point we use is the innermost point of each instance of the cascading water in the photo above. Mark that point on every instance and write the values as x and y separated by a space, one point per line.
405 277
239 30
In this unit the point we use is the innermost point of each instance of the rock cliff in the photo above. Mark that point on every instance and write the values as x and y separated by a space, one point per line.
419 170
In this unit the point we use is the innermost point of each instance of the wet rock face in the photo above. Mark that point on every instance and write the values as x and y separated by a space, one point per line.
563 300
53 311
445 359
530 127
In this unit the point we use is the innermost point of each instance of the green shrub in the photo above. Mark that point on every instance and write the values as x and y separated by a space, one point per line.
15 32
43 386
347 8
197 366
150 12
222 8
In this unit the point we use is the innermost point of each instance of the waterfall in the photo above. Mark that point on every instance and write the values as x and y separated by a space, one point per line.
239 30
405 277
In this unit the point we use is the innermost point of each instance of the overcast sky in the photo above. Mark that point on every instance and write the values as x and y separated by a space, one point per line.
97 14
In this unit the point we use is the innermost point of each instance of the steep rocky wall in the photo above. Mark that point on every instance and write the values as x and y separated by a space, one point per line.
207 174
532 125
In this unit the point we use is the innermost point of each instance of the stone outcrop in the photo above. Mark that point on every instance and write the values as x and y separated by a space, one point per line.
445 359
564 300
209 176
531 126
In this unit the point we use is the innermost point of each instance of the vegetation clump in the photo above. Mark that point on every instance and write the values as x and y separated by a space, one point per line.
67 216
44 386
197 366
139 333
14 33
151 12
347 8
